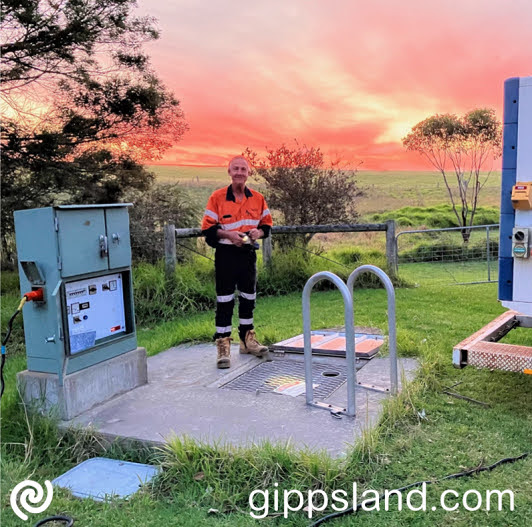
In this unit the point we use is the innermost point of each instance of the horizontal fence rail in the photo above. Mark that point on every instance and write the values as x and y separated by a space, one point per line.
171 234
298 229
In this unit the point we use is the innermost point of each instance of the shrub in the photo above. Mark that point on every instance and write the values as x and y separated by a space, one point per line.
304 189
152 209
435 217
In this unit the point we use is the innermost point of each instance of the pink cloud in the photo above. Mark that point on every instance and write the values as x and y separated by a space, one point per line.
351 77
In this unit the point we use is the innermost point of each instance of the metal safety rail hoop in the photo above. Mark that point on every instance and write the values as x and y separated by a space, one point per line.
392 332
347 294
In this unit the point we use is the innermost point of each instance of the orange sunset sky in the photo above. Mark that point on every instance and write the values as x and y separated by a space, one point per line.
349 76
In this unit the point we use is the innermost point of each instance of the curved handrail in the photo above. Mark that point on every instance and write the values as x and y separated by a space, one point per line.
392 334
349 337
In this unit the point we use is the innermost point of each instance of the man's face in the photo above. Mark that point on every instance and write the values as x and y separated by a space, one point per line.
238 171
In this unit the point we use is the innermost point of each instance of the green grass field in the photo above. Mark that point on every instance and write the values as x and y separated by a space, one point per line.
383 190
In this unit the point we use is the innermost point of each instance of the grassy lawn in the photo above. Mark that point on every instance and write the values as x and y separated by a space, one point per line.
451 273
424 434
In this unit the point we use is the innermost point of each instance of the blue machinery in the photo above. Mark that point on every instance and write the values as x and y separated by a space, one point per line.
81 343
515 262
347 294
482 349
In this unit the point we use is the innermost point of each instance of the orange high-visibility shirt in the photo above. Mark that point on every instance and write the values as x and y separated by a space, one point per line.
224 212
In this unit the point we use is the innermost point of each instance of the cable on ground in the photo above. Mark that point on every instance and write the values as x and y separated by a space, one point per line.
67 519
6 338
471 472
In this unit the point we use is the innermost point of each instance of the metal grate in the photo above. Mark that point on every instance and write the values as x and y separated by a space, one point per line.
267 376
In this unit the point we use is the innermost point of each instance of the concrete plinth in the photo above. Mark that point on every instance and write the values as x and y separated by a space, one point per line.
188 396
86 388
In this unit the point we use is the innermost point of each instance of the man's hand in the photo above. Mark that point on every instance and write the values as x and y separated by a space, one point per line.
255 234
236 237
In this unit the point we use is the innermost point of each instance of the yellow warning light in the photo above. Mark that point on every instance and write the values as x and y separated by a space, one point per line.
522 195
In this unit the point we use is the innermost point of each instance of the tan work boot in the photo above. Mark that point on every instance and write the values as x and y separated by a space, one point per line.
223 346
252 345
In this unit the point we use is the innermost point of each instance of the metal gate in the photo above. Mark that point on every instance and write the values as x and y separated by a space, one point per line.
456 255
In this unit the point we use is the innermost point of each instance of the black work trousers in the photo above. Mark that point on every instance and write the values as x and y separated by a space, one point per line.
235 267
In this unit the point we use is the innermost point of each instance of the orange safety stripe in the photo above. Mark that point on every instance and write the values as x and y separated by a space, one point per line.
222 209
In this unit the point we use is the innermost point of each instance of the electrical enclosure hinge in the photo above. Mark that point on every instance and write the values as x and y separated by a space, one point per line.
56 223
59 263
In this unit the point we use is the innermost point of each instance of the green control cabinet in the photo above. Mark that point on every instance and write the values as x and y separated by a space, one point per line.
81 256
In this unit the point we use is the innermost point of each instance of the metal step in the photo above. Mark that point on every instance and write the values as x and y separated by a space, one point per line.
482 350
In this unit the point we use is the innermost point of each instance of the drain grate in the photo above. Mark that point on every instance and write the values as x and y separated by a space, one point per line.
267 376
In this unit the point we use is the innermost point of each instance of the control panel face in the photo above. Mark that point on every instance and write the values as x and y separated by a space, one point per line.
95 310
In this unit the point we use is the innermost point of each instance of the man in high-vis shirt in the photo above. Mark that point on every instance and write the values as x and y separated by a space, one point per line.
234 219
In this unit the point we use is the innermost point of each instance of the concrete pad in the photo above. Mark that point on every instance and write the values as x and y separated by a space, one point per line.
184 397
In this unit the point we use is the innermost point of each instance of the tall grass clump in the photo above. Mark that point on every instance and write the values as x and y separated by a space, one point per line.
288 272
158 298
222 476
445 249
10 283
354 257
33 444
291 269
191 288
10 300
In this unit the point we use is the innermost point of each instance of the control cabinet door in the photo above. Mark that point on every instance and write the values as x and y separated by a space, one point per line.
117 220
82 241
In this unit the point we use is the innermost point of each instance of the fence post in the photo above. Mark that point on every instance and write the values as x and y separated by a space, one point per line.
267 250
170 258
488 251
391 247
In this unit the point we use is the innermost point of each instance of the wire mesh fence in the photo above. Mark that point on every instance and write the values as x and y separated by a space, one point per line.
454 255
447 255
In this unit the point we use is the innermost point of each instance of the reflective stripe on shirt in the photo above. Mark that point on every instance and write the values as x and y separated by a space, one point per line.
211 214
237 224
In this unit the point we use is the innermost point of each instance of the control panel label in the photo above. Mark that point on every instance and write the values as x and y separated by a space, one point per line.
95 310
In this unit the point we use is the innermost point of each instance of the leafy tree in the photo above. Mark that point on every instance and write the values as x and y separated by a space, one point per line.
42 171
304 189
460 148
44 39
82 108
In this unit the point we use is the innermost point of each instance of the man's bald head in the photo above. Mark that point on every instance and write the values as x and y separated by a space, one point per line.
240 159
